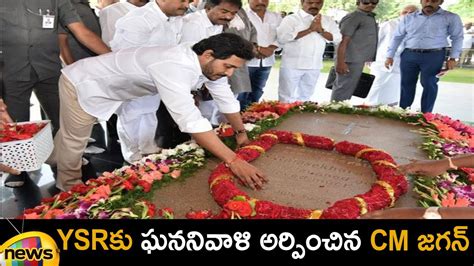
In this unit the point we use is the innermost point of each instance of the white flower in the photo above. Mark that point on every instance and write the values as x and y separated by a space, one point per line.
249 127
324 104
154 157
183 147
391 109
169 152
346 103
193 145
200 152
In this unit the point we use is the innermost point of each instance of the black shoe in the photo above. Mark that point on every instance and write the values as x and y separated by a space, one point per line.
16 181
53 190
88 172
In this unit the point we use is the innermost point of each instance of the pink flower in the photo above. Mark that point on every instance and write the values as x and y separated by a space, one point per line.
175 174
102 192
148 178
151 165
107 174
164 168
157 175
130 172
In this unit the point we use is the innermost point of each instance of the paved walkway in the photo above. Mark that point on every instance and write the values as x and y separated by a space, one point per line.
454 99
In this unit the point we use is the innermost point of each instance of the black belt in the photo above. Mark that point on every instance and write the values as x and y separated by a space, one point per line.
424 50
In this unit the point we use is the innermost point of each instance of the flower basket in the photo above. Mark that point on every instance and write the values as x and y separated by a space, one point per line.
30 153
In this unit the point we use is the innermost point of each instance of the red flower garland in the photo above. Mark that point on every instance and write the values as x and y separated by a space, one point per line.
390 185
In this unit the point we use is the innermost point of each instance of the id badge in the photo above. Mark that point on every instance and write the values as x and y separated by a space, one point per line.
48 21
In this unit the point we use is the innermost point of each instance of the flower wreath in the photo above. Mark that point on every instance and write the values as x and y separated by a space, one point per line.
390 185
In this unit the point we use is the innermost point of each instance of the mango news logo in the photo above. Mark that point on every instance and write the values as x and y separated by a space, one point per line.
29 249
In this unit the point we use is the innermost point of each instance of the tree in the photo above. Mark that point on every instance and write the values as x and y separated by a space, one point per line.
464 8
385 9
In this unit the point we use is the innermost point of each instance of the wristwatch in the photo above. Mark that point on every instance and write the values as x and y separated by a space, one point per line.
321 32
432 213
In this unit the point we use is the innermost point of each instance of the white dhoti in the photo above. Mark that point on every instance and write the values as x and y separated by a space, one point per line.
386 86
297 84
136 127
210 111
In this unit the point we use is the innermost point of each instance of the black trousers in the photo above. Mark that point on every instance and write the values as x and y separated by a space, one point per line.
168 133
17 96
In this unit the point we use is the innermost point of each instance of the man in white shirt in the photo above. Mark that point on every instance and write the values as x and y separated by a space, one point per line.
203 24
110 14
386 86
94 88
266 23
304 36
209 21
158 23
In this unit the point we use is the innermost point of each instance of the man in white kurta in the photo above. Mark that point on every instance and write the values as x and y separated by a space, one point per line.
158 23
109 15
203 24
95 88
386 86
304 36
266 23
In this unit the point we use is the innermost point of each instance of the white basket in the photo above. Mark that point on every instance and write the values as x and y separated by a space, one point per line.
28 154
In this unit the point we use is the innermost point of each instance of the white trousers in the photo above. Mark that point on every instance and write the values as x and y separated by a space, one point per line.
297 84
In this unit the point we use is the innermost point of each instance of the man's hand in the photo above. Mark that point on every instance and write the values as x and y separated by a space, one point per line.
342 68
266 51
4 116
242 139
426 168
450 64
8 169
248 174
388 63
316 24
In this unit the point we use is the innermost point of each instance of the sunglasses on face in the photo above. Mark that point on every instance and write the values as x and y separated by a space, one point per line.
366 2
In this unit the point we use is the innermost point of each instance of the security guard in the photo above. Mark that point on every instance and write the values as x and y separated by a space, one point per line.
28 30
30 46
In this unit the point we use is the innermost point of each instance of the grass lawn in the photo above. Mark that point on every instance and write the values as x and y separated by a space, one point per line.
459 75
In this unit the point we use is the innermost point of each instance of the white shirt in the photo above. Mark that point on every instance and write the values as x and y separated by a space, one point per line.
146 26
386 31
197 26
306 52
266 34
103 83
109 16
